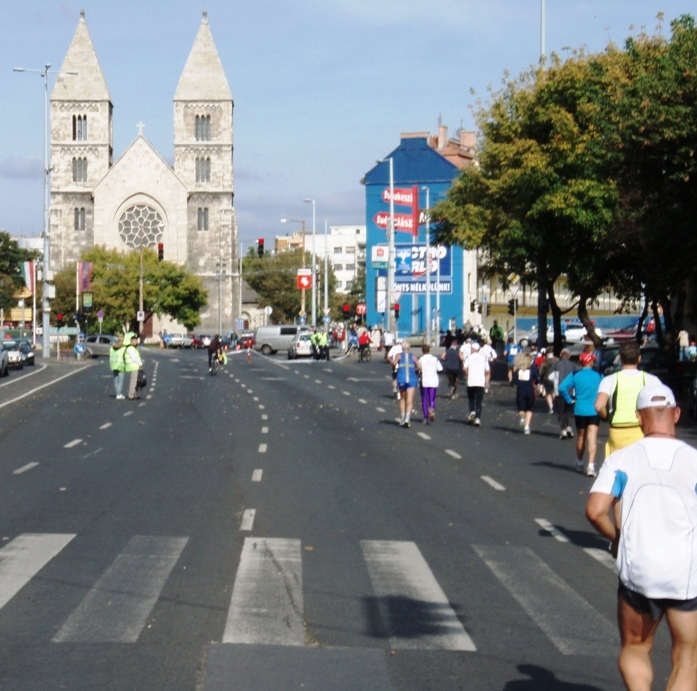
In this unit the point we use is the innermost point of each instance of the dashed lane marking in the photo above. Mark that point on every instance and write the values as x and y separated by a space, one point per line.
106 425
318 381
423 435
24 468
379 409
255 398
261 406
127 413
262 448
491 482
346 393
248 519
552 530
256 475
362 400
264 430
264 416
72 443
331 386
454 454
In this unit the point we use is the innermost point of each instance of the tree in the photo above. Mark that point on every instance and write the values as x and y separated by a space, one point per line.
167 288
11 256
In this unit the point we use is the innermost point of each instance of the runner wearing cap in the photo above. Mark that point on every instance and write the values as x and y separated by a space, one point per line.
654 541
584 385
477 374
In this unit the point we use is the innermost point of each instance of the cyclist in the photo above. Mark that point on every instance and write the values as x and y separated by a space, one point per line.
215 349
363 344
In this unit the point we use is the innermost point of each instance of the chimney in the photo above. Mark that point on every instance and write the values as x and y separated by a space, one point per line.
442 136
468 139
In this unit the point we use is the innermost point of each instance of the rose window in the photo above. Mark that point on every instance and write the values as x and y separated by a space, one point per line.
141 225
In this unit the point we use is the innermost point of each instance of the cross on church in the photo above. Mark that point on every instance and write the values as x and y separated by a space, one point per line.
140 126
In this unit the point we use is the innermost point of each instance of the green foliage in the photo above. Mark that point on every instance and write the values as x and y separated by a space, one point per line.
11 255
167 288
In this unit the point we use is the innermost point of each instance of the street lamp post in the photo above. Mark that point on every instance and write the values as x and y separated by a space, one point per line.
45 262
314 268
302 290
391 325
326 270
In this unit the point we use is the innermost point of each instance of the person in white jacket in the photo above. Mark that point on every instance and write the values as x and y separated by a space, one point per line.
430 366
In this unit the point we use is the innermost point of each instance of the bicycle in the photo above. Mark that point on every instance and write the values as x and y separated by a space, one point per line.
364 353
215 366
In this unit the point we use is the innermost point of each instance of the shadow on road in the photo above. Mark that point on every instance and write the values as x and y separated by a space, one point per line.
541 679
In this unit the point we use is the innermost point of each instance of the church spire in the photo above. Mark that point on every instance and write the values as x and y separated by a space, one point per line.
203 78
89 83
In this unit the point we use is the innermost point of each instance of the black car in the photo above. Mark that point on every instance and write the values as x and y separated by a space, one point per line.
27 353
605 356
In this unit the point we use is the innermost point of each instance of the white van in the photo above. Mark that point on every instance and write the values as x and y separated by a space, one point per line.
275 337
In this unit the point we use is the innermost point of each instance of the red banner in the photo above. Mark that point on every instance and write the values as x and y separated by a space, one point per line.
403 196
84 276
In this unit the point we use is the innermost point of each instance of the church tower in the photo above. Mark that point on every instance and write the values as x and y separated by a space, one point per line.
81 147
203 136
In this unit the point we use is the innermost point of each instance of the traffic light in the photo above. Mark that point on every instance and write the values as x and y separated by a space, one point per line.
396 310
511 306
59 320
346 309
473 305
488 310
160 251
260 247
479 308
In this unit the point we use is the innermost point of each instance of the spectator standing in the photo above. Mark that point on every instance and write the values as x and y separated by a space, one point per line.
560 371
430 366
132 363
584 385
525 378
654 540
477 373
452 367
497 338
118 367
683 343
617 395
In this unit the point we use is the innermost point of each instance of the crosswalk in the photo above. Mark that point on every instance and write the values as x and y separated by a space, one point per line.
266 605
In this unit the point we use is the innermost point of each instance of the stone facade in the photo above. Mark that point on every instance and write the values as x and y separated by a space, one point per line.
140 198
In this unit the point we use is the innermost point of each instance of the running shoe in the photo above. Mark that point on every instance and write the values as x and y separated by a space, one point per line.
563 434
526 430
407 423
579 465
477 422
471 417
431 415
569 433
590 471
521 421
425 421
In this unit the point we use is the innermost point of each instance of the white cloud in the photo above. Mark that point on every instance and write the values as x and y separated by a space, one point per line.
22 167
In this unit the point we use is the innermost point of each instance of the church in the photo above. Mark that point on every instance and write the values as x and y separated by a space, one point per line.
185 210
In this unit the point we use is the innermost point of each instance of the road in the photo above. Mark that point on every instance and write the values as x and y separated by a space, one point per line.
274 527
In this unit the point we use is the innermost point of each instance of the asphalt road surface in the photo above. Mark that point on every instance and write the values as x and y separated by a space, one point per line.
273 527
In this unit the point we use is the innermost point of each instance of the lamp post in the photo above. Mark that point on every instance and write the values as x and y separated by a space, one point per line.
391 326
302 290
326 270
314 268
45 262
428 264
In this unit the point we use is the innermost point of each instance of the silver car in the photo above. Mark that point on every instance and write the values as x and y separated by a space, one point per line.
99 344
14 354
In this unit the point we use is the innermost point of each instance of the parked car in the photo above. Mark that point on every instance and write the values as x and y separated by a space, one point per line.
99 345
246 340
272 338
300 346
14 354
418 338
179 341
206 341
573 331
626 333
4 363
196 341
605 356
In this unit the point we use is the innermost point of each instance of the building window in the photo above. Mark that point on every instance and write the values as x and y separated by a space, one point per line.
79 219
79 170
203 128
350 267
203 219
338 250
203 170
79 128
350 250
140 225
338 267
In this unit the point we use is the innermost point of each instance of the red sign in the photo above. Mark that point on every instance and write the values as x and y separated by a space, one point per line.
360 308
403 196
407 223
402 222
304 279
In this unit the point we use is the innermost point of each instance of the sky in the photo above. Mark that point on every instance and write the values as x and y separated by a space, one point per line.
322 88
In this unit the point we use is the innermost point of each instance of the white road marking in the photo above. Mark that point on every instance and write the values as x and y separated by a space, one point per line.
399 573
24 468
346 393
496 485
452 453
261 406
262 448
117 607
567 619
148 397
256 475
326 369
297 371
264 430
92 453
423 435
264 416
362 400
22 558
552 530
379 409
72 443
43 386
331 386
603 556
266 606
255 398
140 405
318 381
126 414
186 376
38 369
106 425
248 520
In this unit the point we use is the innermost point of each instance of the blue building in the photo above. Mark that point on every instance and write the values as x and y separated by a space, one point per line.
420 161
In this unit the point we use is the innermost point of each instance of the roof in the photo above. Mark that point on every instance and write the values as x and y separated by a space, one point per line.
203 78
415 162
89 83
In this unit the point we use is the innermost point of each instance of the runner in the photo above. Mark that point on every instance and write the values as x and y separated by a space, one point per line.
407 368
560 371
525 378
477 374
430 366
392 355
510 351
452 367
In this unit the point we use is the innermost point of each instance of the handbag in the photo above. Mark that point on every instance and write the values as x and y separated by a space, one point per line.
142 380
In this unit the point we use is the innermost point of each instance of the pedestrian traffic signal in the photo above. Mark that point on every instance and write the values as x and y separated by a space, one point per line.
59 320
160 251
512 306
396 310
260 247
473 305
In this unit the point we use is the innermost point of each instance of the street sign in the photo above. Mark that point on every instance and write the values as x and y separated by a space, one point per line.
140 316
304 279
326 318
100 314
327 310
267 310
361 308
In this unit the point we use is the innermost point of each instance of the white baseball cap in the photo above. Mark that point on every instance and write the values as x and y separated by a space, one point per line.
655 396
475 345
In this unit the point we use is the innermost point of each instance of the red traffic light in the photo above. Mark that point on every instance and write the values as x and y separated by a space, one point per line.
160 251
260 247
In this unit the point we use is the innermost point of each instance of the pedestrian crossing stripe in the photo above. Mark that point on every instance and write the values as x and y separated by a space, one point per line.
267 607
